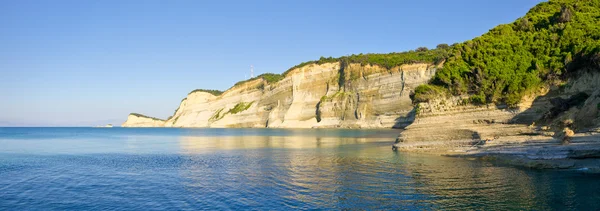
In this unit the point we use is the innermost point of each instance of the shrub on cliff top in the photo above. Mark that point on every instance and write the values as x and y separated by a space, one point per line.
269 77
426 92
210 91
421 49
144 116
442 46
388 60
553 39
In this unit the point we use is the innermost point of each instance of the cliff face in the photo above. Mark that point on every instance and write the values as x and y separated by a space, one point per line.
447 124
317 95
136 120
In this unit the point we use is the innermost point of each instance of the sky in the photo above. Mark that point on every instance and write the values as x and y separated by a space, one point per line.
86 63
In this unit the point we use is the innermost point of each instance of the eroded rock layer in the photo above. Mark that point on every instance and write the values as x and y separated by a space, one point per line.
137 120
452 124
314 96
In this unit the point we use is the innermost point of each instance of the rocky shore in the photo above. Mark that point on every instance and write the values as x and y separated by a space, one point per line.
531 151
583 153
556 127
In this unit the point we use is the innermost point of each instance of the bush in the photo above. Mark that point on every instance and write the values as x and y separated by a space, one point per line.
426 92
421 49
566 14
418 109
442 46
389 60
269 77
210 91
477 99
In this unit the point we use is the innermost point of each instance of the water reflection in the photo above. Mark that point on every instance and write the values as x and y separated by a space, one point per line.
301 172
233 169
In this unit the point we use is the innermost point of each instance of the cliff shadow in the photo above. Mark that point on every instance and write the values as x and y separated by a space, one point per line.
549 109
404 121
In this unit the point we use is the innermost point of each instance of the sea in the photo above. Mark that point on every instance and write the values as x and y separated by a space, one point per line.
263 169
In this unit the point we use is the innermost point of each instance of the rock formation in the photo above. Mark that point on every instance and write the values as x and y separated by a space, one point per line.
449 124
138 120
314 96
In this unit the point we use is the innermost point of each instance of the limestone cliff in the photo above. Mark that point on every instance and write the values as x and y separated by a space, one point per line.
316 95
450 123
138 120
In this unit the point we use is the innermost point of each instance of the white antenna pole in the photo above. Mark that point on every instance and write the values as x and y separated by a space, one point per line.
251 71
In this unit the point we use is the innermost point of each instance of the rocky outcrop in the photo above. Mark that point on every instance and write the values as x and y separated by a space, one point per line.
450 125
138 120
314 96
536 135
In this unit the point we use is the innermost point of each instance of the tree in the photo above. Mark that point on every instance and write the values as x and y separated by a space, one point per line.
524 24
443 46
565 14
421 49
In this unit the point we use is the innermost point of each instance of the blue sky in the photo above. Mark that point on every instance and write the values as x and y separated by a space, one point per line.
78 63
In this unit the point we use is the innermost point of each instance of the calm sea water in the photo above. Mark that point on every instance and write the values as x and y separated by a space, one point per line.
264 169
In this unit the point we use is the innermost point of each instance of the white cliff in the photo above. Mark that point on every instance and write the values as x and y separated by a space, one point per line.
138 120
317 95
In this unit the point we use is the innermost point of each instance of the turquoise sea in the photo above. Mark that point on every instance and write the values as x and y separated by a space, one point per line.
263 169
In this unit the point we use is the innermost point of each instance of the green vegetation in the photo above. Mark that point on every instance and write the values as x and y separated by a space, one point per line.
390 60
321 60
338 94
549 44
598 106
144 116
418 109
553 41
217 115
269 77
427 92
242 106
210 91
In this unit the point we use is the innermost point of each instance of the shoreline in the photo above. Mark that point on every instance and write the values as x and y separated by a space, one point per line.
530 151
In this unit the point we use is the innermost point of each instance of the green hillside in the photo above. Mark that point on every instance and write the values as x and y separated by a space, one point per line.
549 44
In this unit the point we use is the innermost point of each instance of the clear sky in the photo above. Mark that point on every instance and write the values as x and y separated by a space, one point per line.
78 63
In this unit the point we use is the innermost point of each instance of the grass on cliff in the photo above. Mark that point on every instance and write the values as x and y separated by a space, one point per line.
217 115
550 43
269 77
210 91
144 116
242 106
388 60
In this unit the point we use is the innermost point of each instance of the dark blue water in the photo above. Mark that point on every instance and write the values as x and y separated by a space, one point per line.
264 169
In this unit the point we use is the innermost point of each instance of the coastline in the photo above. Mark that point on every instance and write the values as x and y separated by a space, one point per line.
530 151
